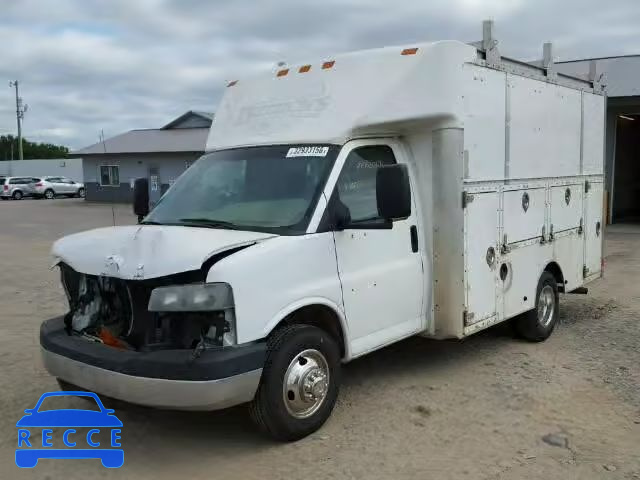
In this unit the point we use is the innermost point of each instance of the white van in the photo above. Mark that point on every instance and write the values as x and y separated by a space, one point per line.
342 205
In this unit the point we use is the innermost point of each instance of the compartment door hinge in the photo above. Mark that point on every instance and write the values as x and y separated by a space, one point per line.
587 186
467 198
467 318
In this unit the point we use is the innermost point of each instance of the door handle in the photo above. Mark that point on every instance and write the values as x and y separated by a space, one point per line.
414 238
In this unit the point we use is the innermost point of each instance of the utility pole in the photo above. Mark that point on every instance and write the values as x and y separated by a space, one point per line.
20 110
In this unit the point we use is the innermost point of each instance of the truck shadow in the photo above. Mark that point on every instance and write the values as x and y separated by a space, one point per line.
230 432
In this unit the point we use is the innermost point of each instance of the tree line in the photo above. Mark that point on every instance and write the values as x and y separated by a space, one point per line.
31 150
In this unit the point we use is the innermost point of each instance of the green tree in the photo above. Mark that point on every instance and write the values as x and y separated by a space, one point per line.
9 144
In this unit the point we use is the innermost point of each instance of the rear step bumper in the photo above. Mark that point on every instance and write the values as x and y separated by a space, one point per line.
170 379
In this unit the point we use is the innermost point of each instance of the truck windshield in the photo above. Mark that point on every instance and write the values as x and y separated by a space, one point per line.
269 189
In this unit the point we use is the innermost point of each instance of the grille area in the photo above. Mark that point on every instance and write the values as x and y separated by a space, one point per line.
114 311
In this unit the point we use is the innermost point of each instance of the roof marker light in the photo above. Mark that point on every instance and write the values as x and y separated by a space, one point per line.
232 83
283 72
304 69
328 64
410 51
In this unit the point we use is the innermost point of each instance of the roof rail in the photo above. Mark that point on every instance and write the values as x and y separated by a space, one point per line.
544 69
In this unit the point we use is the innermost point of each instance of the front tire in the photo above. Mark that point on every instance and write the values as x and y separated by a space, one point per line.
536 325
81 192
299 384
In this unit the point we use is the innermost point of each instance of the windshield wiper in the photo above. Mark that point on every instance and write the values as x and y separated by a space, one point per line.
150 222
209 223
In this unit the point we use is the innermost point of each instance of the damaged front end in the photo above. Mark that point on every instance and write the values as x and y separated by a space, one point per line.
177 312
167 342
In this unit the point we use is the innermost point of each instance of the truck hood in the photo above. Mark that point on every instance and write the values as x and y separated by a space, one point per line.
147 251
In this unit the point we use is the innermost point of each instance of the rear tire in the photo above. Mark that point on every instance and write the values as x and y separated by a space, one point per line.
536 325
299 384
17 195
49 194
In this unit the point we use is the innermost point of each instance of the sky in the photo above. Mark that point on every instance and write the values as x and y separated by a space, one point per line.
86 66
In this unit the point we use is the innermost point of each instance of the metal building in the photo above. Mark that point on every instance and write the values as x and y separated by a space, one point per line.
162 154
53 167
622 158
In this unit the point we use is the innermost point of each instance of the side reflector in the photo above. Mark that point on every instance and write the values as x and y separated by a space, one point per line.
282 73
328 64
232 83
304 68
410 51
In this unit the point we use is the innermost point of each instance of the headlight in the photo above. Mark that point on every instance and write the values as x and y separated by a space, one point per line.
208 297
191 298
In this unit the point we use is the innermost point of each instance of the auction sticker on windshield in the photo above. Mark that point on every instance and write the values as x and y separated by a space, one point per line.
308 151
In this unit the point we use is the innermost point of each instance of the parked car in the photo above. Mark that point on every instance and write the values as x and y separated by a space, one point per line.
16 187
49 187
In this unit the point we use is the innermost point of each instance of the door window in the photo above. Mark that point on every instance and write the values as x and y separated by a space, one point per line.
356 187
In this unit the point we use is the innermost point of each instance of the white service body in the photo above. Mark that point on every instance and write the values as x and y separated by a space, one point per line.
461 127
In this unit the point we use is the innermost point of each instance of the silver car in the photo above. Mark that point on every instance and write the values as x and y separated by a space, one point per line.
16 187
49 187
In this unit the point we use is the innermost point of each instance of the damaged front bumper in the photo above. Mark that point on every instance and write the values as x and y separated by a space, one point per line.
173 379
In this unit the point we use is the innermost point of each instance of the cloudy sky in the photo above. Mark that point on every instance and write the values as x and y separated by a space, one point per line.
114 65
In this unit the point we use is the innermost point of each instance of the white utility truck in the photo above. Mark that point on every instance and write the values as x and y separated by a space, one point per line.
342 205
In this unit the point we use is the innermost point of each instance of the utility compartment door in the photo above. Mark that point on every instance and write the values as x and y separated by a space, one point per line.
566 207
593 229
481 256
524 214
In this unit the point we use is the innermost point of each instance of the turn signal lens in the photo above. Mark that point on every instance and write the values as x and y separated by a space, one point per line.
282 73
328 64
410 51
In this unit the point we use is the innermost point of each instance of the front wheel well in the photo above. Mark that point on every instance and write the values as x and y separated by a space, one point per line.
320 316
554 269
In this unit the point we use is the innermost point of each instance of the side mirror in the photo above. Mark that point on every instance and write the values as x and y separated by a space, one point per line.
393 192
141 197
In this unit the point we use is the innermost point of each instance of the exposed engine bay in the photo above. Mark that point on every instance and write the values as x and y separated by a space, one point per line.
114 312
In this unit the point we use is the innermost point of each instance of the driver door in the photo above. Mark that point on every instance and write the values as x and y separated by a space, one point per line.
379 262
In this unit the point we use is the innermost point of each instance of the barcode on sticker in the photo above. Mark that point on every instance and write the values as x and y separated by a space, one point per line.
308 151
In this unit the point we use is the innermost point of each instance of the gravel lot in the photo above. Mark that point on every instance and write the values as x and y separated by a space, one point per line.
490 407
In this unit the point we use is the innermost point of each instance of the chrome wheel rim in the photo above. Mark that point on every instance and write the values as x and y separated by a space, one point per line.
49 195
546 305
81 193
306 383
